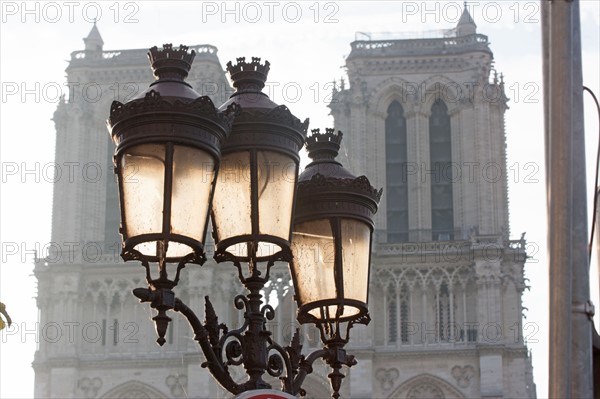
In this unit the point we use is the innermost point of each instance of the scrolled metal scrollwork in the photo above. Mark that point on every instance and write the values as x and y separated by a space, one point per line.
240 302
268 312
275 365
233 352
251 345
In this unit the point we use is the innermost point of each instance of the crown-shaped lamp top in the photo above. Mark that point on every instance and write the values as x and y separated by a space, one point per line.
324 147
248 75
169 63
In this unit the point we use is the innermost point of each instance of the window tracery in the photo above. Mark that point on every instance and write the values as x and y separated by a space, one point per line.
440 156
396 174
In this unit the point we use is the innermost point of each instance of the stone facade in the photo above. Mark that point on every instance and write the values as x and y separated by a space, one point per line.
445 301
446 280
98 341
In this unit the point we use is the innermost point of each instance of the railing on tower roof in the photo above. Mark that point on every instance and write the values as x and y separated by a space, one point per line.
405 35
133 56
447 42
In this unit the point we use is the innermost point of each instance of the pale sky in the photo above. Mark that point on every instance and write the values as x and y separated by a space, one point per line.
306 43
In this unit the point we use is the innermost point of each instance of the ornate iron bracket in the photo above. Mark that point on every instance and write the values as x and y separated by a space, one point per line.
251 345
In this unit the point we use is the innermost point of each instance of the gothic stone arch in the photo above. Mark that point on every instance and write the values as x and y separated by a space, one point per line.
133 390
316 384
392 89
426 386
440 87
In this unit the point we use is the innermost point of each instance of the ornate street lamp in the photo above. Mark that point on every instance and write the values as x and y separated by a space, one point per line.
182 151
333 227
168 152
332 234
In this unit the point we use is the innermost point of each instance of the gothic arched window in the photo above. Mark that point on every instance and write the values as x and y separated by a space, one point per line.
440 156
398 306
443 313
392 314
404 317
396 183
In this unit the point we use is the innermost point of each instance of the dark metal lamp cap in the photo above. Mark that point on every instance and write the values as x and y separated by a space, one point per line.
326 188
324 147
170 63
248 75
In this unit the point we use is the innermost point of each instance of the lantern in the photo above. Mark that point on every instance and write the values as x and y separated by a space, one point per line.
168 150
332 234
254 194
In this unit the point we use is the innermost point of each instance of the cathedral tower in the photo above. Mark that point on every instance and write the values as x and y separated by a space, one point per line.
98 341
424 118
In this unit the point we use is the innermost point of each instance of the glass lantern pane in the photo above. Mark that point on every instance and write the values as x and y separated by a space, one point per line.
193 172
142 176
264 249
314 258
356 238
175 250
330 312
231 203
239 249
277 175
267 249
178 250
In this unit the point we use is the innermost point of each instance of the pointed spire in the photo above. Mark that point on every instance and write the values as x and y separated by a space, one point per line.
466 24
93 41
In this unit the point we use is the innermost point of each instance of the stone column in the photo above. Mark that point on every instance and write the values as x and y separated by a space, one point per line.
63 381
492 373
419 187
458 177
361 375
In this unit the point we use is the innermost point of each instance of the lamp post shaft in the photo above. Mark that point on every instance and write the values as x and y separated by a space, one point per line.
255 338
570 368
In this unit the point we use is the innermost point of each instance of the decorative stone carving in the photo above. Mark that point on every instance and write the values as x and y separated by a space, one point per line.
134 393
425 391
89 386
463 375
426 386
423 275
65 284
177 384
387 377
133 390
